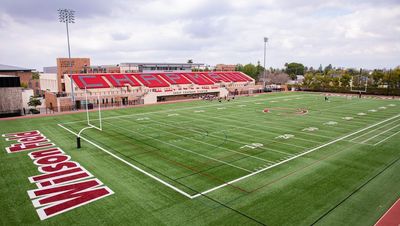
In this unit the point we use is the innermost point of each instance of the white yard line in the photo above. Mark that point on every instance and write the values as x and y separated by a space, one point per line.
385 131
294 157
281 129
387 138
233 103
212 145
232 140
180 148
373 130
130 164
253 129
234 128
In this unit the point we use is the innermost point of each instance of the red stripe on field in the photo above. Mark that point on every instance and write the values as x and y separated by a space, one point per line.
391 217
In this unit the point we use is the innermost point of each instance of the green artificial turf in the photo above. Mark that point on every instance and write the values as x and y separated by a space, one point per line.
197 146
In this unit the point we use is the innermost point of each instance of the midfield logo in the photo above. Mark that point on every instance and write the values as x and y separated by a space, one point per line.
63 184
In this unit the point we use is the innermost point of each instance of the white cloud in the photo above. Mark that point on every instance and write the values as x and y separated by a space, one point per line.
344 33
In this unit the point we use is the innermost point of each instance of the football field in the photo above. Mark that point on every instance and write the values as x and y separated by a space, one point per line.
271 159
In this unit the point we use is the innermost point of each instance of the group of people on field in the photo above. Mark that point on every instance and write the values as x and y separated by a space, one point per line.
210 97
327 96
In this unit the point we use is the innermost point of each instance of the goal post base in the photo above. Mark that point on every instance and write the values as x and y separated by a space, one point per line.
78 142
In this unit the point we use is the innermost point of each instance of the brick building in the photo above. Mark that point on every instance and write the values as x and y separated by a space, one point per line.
27 80
69 66
225 67
24 74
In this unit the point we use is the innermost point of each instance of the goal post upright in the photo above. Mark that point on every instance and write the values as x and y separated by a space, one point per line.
359 90
100 119
87 107
90 125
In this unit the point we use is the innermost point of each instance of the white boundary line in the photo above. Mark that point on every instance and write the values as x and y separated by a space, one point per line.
131 165
294 157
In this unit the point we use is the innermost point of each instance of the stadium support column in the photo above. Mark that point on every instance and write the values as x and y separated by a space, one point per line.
265 54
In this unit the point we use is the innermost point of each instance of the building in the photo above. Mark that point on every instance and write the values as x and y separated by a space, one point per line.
27 76
159 67
48 82
10 96
50 70
69 66
103 69
24 74
225 67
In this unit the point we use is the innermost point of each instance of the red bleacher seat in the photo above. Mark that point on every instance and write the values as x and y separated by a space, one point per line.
90 81
121 80
151 80
175 78
198 78
243 75
235 76
216 77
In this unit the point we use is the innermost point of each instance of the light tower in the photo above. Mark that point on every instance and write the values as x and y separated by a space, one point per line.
67 16
265 53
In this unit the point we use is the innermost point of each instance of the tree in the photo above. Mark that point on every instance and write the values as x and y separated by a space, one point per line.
190 61
293 69
377 77
260 69
326 81
24 85
345 80
34 102
271 69
352 71
327 69
35 75
318 80
239 67
250 70
308 80
336 82
277 78
320 68
396 77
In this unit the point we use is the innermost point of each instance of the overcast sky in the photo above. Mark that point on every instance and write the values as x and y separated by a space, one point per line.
348 33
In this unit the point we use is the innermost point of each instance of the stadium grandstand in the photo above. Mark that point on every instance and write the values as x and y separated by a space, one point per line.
117 89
